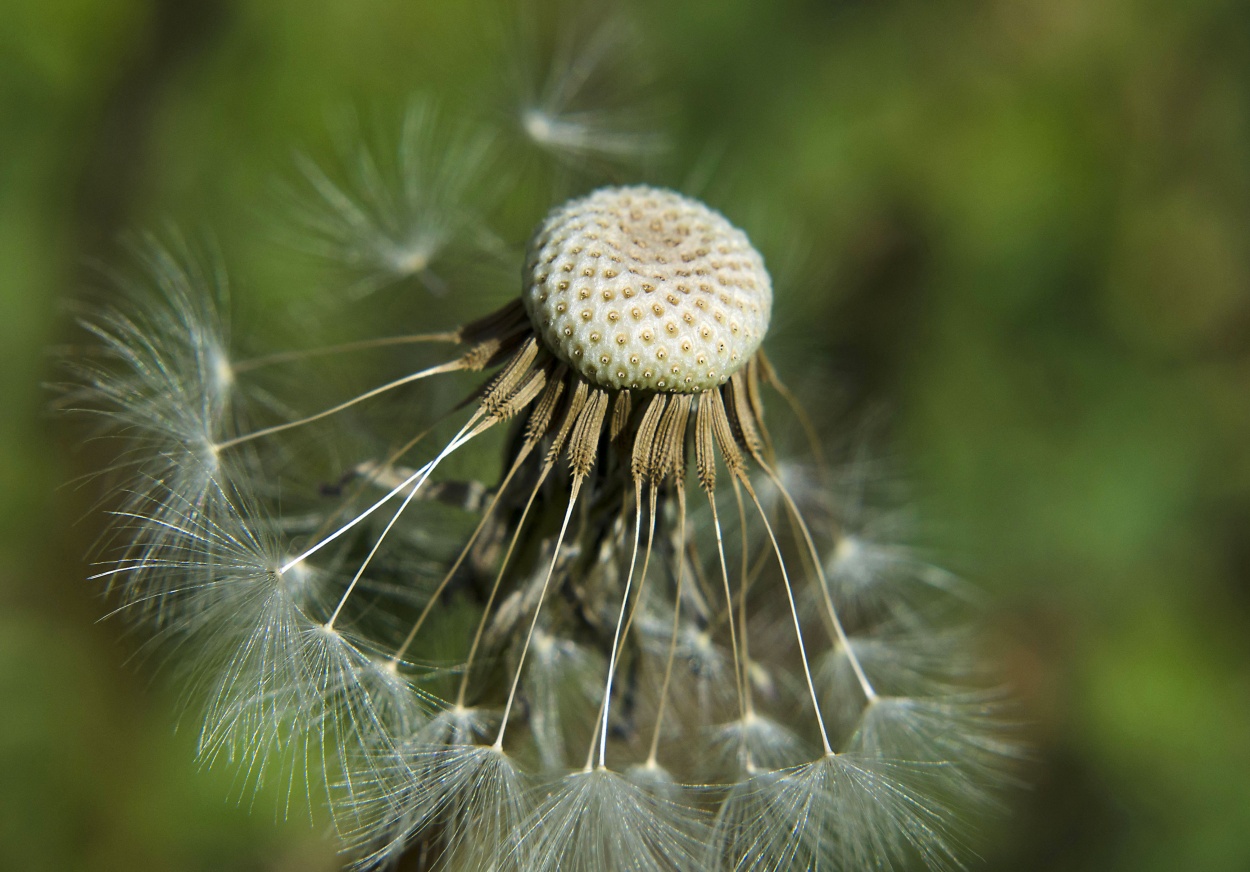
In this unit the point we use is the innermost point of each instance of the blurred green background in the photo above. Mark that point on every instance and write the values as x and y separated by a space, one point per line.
1026 238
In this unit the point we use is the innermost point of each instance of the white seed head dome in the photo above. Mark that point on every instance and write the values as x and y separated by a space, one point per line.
643 288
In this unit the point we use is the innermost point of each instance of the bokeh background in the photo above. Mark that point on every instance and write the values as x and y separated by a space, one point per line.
1023 231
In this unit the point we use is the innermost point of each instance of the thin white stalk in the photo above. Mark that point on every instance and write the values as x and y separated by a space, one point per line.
516 679
451 366
424 471
794 614
620 620
845 642
432 465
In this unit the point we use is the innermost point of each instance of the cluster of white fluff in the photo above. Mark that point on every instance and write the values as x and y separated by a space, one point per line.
795 687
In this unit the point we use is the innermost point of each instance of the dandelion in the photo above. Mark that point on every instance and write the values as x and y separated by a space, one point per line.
651 675
398 208
579 92
648 643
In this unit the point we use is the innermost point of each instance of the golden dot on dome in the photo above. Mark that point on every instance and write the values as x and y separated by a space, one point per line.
671 328
646 335
621 339
614 316
594 336
583 294
587 314
561 308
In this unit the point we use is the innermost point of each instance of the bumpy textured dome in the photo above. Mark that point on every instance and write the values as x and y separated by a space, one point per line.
643 288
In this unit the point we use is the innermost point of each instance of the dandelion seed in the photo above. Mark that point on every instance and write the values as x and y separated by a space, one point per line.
579 95
161 381
397 205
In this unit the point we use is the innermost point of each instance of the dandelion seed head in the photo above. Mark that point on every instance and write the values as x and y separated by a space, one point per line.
643 288
650 593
